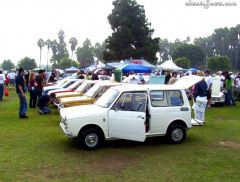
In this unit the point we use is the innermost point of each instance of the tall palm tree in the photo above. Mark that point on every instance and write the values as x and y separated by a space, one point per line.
40 44
48 43
73 41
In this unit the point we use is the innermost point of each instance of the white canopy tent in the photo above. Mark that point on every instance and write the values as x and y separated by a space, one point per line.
169 65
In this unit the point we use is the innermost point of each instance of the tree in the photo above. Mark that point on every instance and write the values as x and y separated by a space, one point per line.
48 43
7 65
183 62
194 53
98 50
132 35
27 63
218 63
73 41
40 44
62 49
164 49
66 63
54 47
59 49
85 54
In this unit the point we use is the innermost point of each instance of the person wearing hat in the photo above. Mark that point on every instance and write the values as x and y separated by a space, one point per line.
21 89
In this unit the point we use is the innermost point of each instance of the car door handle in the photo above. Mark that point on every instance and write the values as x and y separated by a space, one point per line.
139 116
184 109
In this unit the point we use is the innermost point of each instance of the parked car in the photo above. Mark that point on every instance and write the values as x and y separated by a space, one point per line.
70 88
130 112
65 84
89 97
217 96
83 88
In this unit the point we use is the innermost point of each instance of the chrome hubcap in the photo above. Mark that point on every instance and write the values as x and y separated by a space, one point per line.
177 134
91 139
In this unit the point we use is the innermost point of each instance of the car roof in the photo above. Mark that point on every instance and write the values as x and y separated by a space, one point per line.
136 87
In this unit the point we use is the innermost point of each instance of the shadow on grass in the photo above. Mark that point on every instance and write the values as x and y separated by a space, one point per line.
121 144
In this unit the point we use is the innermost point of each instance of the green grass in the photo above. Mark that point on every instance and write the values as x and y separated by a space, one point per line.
36 149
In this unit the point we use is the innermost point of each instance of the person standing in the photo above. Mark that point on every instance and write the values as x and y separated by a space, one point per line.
31 88
12 76
173 79
40 78
20 89
229 87
209 81
2 80
26 77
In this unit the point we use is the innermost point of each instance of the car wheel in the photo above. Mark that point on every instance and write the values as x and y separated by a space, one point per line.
91 138
176 134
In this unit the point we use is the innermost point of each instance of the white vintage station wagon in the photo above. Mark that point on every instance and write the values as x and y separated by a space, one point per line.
132 112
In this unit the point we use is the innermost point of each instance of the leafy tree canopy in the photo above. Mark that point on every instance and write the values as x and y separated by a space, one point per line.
27 63
98 50
183 62
85 54
132 35
7 65
218 63
66 63
59 49
194 53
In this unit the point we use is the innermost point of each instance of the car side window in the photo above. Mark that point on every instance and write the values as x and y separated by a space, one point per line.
132 102
158 99
166 98
175 98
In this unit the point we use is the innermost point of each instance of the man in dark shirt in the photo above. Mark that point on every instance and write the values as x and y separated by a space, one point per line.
20 89
43 102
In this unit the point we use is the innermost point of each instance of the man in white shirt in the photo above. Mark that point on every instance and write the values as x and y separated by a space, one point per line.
2 79
12 76
209 80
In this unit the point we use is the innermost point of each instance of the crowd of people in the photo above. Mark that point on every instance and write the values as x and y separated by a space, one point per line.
27 82
33 83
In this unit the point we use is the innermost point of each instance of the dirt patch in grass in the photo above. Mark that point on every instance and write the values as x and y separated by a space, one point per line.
114 163
110 164
230 144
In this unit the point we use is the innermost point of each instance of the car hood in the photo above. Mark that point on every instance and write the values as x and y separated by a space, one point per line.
59 90
67 100
52 87
84 111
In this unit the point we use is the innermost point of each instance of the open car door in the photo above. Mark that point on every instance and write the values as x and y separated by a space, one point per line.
127 117
186 82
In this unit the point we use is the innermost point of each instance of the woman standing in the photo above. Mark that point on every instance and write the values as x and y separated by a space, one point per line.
31 88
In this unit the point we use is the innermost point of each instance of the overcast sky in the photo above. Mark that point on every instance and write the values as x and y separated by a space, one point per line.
23 22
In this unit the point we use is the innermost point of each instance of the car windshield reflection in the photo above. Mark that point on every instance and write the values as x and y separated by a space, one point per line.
107 98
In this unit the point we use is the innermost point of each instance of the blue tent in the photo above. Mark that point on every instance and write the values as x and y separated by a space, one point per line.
137 68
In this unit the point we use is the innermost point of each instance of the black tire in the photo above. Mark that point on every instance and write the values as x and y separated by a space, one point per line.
91 138
176 133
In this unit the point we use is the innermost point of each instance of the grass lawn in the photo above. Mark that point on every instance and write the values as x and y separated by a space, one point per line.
36 149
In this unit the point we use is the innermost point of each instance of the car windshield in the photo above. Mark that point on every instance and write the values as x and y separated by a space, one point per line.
74 85
92 91
107 98
82 87
68 83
